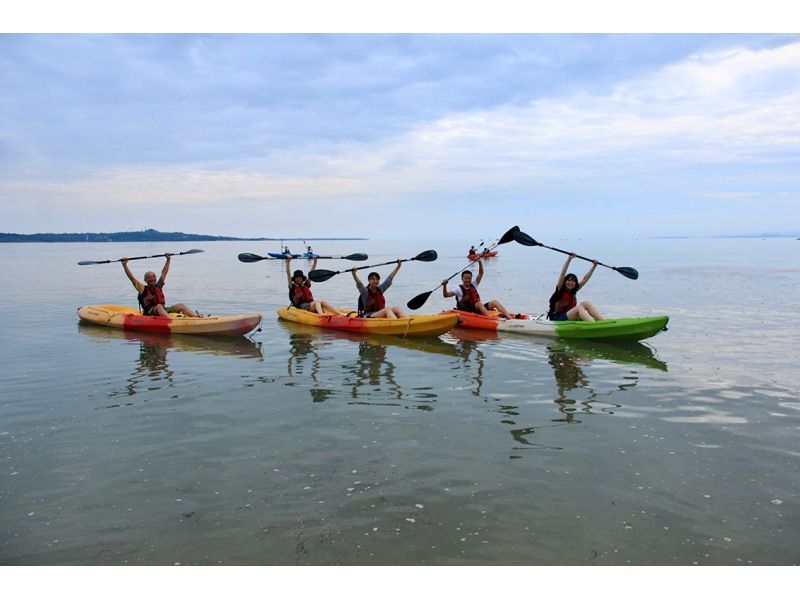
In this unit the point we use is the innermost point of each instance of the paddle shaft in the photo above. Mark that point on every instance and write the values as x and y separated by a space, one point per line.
141 257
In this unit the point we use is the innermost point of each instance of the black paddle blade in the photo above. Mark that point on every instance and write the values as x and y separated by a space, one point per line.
419 300
191 251
628 272
508 236
426 256
525 239
357 257
90 262
249 258
321 275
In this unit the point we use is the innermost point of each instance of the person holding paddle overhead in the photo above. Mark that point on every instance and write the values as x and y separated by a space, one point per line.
371 303
564 304
300 291
467 297
151 295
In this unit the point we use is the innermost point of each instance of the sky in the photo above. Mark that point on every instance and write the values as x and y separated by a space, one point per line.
400 135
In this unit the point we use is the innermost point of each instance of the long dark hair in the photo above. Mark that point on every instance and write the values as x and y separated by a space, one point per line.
559 292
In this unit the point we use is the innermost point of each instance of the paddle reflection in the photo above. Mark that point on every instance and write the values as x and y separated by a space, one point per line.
569 362
152 371
370 379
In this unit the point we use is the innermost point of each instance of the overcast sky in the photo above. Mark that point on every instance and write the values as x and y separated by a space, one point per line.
400 136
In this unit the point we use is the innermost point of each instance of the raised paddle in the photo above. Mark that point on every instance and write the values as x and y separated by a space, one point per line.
249 258
527 240
143 257
420 299
322 275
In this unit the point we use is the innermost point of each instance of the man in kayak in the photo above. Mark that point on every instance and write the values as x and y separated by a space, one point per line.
564 303
151 295
467 297
300 291
371 303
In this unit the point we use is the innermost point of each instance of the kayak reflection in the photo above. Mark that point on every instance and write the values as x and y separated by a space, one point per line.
569 361
152 370
369 379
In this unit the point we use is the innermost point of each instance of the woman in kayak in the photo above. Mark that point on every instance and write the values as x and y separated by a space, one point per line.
467 297
371 303
300 291
564 304
151 295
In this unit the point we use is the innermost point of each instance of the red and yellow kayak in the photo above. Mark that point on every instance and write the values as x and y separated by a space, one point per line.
618 329
129 318
429 325
475 256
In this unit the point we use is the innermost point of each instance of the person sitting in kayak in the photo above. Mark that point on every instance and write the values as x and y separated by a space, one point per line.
371 303
564 304
151 295
467 297
472 250
300 291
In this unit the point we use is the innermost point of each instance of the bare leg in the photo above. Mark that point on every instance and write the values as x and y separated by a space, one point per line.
181 308
384 313
399 312
592 310
481 309
327 307
495 304
579 313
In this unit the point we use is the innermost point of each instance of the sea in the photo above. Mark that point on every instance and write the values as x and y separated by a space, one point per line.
298 446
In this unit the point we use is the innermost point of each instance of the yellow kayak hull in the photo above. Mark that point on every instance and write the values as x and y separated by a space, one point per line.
430 325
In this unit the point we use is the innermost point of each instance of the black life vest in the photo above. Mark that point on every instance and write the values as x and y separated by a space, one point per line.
300 293
150 297
469 299
375 302
561 302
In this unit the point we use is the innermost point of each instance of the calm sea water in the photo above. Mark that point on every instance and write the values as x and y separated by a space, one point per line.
306 447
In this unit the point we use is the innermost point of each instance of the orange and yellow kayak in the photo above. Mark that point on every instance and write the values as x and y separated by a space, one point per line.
429 325
129 318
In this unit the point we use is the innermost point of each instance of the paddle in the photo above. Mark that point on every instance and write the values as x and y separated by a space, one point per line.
322 275
249 258
420 299
527 240
143 257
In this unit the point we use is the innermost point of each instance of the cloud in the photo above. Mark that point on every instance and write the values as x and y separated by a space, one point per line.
239 120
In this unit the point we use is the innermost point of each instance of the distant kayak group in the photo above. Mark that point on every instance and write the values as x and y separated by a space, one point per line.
566 316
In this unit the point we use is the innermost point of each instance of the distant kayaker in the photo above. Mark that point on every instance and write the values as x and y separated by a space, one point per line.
371 303
564 303
151 295
472 250
467 297
300 291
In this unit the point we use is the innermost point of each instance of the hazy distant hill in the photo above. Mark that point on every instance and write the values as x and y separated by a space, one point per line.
141 235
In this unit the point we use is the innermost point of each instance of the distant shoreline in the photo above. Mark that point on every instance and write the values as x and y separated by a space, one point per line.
146 236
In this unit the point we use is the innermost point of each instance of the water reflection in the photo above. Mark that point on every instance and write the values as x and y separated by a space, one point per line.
370 379
152 370
569 362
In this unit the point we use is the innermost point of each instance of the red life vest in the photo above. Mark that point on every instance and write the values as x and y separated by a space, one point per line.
469 299
375 301
561 302
300 293
150 297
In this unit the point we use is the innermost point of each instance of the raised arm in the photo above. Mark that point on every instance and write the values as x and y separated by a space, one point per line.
445 292
561 276
355 277
480 273
165 269
588 275
288 271
136 283
397 268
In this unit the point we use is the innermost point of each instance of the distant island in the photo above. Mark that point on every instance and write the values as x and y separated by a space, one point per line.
146 235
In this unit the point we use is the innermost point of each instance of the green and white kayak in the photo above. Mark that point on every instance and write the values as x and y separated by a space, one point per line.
619 329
